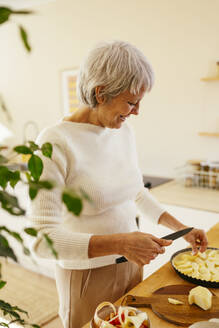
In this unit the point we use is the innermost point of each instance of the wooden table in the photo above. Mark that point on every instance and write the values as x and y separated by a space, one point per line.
166 276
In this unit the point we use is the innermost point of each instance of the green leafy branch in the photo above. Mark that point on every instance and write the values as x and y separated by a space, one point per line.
5 15
10 178
35 166
5 249
10 202
71 198
14 313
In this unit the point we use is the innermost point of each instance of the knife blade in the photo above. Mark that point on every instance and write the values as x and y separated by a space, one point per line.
172 236
177 234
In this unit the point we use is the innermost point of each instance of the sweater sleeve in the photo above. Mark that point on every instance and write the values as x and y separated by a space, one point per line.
45 211
149 206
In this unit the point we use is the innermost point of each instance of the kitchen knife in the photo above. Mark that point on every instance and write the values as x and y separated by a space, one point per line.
171 236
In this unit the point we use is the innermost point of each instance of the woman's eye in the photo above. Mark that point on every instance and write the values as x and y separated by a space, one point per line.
131 104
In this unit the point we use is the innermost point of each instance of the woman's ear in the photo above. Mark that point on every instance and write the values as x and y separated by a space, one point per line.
100 98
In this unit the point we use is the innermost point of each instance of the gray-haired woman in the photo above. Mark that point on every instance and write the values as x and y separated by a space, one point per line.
94 149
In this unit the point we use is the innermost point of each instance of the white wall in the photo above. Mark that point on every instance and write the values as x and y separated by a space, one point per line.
180 38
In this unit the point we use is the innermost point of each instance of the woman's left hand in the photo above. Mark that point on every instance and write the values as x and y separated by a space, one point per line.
198 240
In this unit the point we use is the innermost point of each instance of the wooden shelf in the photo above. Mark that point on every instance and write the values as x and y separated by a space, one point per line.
209 134
210 79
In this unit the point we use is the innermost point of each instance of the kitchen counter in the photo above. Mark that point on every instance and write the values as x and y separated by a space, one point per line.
174 193
166 276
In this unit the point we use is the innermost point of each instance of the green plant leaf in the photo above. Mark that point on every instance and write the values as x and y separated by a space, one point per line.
28 176
33 192
22 12
35 326
47 149
16 308
45 184
4 241
10 203
2 284
86 196
3 324
7 175
50 245
17 236
31 231
42 184
12 233
35 166
22 149
3 159
14 178
4 176
12 311
33 146
24 38
72 201
6 250
26 251
35 186
14 314
4 14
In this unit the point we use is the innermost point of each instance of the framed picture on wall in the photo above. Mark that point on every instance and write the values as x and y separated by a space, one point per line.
70 101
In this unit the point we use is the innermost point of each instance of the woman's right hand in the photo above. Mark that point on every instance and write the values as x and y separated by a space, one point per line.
141 248
137 247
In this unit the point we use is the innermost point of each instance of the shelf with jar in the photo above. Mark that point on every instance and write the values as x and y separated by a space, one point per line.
197 173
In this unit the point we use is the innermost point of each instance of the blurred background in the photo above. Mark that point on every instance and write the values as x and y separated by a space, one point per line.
180 39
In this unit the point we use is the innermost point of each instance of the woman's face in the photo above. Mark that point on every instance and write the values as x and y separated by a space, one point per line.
113 113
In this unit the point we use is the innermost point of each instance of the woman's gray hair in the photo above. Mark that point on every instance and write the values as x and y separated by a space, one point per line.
117 66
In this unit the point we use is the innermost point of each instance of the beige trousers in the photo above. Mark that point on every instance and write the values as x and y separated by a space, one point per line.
80 291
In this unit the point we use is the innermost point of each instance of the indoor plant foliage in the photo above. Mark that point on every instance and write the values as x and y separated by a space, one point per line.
30 177
6 14
9 177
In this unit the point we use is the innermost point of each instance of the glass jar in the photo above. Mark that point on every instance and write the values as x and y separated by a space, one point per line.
189 181
194 169
212 176
205 174
197 175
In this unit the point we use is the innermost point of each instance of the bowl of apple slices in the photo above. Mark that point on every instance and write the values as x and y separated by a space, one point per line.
108 315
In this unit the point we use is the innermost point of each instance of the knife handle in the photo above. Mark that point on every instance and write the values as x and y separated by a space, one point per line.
121 259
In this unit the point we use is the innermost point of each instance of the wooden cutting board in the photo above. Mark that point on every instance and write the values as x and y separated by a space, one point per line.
182 315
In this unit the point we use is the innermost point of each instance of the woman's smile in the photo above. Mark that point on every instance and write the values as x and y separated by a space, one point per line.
123 118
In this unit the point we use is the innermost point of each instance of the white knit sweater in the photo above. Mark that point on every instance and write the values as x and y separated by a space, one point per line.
103 163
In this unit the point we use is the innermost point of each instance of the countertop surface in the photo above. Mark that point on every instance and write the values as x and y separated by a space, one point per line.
163 277
174 193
